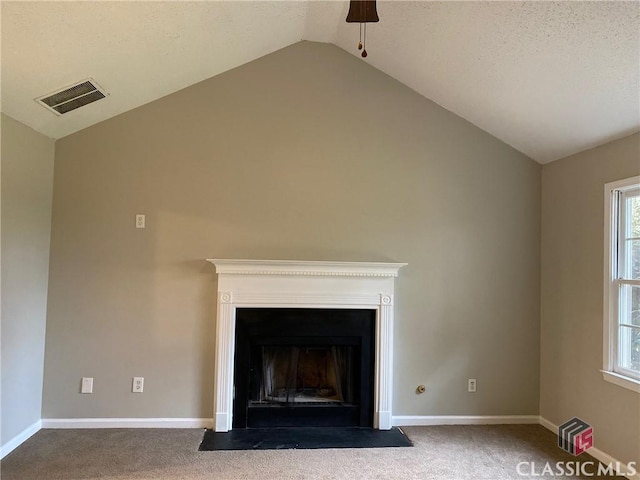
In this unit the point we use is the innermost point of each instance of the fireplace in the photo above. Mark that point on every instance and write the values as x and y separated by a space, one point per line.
304 343
304 367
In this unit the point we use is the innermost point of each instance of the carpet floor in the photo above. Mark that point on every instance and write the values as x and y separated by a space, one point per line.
442 452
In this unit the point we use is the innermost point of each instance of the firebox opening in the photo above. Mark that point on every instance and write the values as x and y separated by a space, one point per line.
303 367
310 375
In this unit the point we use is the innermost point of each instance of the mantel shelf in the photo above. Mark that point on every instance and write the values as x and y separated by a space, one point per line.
304 268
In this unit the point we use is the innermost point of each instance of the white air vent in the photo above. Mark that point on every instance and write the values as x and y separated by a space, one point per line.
69 98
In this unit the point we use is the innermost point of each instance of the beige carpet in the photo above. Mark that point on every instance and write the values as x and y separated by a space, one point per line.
444 452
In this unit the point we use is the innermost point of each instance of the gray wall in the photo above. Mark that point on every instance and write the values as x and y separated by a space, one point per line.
27 182
572 297
307 153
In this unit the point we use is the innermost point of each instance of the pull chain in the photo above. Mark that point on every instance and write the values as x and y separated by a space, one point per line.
364 52
360 42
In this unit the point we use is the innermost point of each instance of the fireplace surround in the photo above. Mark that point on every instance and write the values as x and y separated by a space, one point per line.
287 284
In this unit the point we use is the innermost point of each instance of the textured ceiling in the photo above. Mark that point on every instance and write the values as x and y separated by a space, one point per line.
550 79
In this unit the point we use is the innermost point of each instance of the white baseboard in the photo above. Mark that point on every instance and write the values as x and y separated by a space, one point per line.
548 425
425 420
594 452
127 423
19 439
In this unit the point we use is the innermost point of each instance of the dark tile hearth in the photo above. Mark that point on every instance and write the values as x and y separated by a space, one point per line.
303 438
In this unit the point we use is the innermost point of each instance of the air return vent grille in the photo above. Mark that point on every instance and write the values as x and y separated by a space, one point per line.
70 98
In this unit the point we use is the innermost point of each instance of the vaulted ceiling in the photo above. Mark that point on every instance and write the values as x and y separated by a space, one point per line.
549 79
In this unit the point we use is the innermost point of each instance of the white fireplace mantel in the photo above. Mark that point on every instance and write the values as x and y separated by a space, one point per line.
304 284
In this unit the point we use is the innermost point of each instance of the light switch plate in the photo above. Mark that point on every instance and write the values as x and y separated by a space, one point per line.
87 385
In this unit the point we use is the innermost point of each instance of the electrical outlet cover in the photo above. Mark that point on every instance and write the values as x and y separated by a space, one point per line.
138 385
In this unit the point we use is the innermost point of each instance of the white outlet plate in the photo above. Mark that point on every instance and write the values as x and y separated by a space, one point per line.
472 385
87 385
138 385
140 221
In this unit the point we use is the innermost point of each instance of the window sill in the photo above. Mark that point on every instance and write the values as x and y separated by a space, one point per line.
621 381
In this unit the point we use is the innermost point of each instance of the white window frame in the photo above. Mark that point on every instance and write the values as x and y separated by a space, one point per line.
611 371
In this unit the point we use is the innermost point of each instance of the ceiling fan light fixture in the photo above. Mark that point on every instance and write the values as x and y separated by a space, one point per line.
362 12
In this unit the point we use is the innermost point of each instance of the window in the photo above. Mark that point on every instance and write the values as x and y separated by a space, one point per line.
622 283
